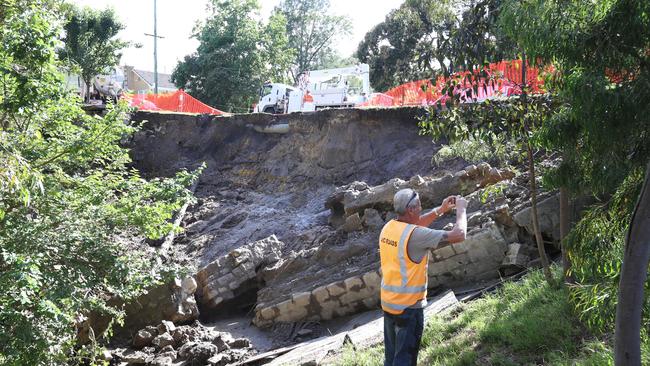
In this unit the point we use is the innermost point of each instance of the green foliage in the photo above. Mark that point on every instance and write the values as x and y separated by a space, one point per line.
510 121
515 120
601 52
602 127
424 38
408 43
26 63
498 151
89 42
236 55
524 323
510 321
72 213
279 52
312 32
595 248
335 61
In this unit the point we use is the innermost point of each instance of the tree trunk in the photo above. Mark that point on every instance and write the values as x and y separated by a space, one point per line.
533 183
564 231
538 234
634 271
87 96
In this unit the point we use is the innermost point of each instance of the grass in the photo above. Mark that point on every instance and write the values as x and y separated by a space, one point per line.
524 323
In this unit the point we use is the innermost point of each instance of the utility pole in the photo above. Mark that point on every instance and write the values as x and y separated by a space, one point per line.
155 47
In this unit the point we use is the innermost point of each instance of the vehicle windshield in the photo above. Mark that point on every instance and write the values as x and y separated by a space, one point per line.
266 90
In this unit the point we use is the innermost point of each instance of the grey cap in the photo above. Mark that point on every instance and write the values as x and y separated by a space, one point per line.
402 198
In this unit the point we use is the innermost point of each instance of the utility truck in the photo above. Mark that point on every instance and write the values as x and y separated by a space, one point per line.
343 87
102 87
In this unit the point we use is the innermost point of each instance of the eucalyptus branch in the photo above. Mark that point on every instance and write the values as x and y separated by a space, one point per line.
325 42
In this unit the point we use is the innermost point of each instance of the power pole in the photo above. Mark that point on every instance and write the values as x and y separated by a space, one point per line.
155 47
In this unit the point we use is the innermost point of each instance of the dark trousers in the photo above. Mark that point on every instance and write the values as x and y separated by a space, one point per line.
402 335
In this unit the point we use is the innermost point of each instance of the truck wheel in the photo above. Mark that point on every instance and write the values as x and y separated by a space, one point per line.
269 110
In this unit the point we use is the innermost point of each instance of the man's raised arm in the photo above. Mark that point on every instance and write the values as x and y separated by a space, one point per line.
447 204
459 231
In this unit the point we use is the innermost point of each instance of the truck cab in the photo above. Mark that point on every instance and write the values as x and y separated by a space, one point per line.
274 98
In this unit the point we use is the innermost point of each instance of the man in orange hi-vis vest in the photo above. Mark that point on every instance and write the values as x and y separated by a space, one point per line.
404 245
308 98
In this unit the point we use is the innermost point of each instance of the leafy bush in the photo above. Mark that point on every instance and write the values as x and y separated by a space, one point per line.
72 212
475 150
595 247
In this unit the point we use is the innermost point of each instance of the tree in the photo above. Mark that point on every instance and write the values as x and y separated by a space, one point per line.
335 61
73 212
90 42
406 46
515 120
479 39
603 129
278 49
236 54
312 32
424 38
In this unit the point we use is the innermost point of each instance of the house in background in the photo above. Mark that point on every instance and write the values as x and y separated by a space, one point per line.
142 82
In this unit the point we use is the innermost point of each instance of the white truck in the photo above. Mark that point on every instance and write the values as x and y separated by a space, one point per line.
331 88
103 87
111 85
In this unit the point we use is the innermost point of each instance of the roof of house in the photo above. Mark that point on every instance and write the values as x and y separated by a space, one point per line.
164 80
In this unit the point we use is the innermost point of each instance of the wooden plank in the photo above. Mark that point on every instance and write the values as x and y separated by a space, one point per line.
266 356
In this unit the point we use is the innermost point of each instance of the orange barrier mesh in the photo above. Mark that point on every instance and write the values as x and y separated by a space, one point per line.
497 79
178 101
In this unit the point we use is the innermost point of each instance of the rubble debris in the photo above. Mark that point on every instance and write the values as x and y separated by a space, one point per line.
162 341
326 302
372 220
431 190
195 344
142 338
222 279
173 302
352 223
516 259
548 215
132 357
277 218
166 326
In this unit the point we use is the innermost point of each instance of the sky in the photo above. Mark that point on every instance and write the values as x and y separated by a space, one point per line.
176 19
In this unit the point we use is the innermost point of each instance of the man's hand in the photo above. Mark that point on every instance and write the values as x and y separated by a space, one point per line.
459 232
461 202
448 204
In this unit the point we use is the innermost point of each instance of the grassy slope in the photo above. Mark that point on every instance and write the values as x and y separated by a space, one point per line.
524 323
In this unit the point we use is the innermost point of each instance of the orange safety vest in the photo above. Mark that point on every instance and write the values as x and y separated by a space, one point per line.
308 98
404 282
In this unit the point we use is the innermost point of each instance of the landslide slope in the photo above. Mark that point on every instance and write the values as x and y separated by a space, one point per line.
259 184
287 223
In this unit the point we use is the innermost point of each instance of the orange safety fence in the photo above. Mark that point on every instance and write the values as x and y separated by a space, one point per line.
178 101
497 79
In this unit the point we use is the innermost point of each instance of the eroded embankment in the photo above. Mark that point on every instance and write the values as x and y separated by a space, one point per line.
287 223
258 184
